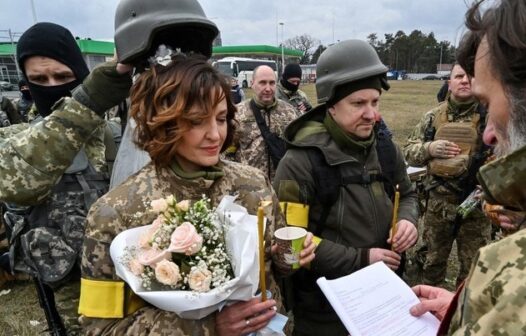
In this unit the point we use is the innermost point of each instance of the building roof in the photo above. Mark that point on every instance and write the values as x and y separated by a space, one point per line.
255 50
89 46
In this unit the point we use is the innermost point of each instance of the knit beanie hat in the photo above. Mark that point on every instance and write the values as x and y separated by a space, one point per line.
342 91
56 42
291 71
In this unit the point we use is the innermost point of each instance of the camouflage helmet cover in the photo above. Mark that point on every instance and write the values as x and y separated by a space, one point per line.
137 22
346 62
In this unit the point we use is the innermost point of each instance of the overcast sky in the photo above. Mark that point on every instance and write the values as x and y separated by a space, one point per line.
257 21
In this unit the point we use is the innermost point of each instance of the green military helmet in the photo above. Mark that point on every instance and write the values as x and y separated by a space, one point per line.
140 26
346 62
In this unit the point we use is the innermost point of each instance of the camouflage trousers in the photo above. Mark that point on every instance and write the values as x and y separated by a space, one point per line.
67 302
439 226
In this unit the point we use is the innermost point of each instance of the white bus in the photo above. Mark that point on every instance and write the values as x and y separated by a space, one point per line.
242 68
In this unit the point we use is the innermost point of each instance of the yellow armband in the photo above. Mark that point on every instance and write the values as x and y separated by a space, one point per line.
296 214
107 299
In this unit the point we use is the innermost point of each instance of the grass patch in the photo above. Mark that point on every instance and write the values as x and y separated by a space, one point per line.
20 309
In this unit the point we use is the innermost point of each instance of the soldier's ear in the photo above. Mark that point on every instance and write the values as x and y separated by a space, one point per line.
330 109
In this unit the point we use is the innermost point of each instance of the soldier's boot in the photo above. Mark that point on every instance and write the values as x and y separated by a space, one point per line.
415 266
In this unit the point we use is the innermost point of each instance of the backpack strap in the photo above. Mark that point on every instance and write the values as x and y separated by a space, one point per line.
327 181
276 146
386 151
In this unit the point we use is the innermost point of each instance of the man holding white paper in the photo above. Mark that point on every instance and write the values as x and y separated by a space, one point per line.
492 300
335 181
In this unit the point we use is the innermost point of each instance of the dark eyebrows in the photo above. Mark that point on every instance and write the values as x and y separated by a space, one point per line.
64 73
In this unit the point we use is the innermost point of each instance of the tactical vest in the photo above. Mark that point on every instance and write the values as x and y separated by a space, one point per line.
47 240
464 134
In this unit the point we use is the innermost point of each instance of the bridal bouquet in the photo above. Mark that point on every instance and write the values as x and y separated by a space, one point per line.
192 258
184 248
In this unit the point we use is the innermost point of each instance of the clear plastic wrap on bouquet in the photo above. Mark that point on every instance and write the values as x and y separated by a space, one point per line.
241 243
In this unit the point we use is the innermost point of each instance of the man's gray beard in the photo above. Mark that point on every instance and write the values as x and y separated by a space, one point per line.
516 130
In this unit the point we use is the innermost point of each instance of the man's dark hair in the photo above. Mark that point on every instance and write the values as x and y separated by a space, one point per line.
504 27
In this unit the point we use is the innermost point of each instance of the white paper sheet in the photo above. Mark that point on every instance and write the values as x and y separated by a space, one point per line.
375 301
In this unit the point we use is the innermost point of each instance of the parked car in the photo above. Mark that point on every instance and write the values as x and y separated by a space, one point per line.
6 86
431 77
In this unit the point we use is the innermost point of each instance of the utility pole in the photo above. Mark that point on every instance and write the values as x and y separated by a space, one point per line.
34 11
282 48
440 63
277 28
333 27
14 54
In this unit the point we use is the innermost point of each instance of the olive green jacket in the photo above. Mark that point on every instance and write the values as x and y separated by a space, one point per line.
362 215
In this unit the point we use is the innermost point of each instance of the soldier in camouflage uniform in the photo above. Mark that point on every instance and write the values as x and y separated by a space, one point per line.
492 301
187 168
446 138
8 113
288 89
24 102
48 158
27 179
250 146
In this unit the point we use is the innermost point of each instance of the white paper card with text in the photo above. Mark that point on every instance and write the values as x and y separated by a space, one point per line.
375 301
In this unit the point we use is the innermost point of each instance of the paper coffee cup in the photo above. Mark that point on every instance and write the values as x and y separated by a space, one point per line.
290 243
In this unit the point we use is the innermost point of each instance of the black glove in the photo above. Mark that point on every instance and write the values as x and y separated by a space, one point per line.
104 88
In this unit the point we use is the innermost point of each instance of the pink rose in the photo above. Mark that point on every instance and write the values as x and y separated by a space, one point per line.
185 239
151 256
167 272
159 205
199 279
146 238
135 267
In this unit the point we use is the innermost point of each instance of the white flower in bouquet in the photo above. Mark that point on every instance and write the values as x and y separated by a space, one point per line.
135 267
167 273
200 278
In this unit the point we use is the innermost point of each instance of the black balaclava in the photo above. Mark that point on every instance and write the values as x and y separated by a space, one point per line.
24 91
56 42
291 71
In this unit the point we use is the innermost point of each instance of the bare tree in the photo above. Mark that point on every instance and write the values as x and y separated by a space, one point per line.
305 43
314 59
